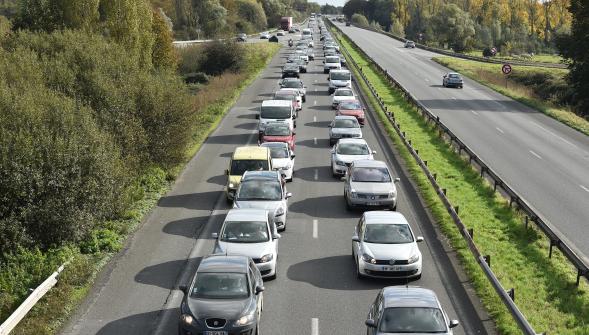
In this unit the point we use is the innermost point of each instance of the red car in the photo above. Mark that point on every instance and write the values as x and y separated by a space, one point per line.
352 108
278 132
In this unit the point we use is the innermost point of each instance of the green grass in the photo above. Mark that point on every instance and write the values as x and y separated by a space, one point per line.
544 288
491 76
49 315
542 58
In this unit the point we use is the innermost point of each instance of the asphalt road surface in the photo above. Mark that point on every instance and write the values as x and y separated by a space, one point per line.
543 160
316 291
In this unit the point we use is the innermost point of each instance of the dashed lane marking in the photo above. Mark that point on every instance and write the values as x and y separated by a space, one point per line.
315 229
535 154
499 130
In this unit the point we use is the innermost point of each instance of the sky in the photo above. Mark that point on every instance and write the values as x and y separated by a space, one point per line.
331 2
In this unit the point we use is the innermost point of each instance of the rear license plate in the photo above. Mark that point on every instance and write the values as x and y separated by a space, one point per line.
373 203
215 332
391 268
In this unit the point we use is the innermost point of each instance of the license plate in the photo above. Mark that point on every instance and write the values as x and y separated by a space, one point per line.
373 203
391 268
215 332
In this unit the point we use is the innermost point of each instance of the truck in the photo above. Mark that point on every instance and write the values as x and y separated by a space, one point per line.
286 23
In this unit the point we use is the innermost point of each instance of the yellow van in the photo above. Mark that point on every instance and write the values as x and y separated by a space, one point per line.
245 159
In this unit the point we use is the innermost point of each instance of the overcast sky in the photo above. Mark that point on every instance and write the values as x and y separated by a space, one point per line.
331 2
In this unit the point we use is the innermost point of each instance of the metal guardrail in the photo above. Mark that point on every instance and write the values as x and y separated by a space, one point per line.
468 57
7 326
484 261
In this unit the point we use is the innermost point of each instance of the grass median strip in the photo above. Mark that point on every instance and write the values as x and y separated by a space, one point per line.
545 288
47 317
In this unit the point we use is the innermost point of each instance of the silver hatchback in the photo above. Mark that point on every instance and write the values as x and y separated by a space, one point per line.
369 183
344 126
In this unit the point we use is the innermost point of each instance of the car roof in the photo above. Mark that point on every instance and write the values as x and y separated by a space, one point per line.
372 217
276 103
368 163
224 263
285 91
344 89
247 214
339 71
344 117
412 296
275 145
250 152
352 140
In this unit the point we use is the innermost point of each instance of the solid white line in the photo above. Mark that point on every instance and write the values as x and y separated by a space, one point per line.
314 326
499 130
314 118
315 140
316 174
585 188
475 113
315 229
535 154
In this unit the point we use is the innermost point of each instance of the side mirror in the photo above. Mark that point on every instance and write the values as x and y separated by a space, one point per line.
374 152
370 323
257 116
288 195
294 133
397 180
227 171
453 323
355 238
419 239
293 156
215 235
276 236
183 288
330 125
364 109
259 289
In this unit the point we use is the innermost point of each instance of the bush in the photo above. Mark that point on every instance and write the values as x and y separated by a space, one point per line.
190 59
101 240
196 78
546 86
359 20
219 57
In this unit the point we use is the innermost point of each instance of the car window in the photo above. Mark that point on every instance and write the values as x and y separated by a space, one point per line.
346 93
245 232
352 149
250 190
371 175
453 75
339 76
332 60
275 112
350 105
346 123
388 234
412 320
277 130
239 166
209 285
278 152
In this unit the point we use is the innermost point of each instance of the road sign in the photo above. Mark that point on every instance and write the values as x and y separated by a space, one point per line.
506 69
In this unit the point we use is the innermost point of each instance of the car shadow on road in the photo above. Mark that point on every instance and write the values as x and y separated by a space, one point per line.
321 143
191 227
335 273
241 139
218 180
318 124
247 126
323 174
247 116
321 108
165 275
197 201
143 323
331 207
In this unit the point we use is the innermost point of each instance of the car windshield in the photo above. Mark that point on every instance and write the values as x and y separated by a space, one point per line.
346 123
339 76
350 105
453 76
290 66
388 233
371 175
332 60
292 84
239 166
255 189
352 149
278 152
344 93
245 232
412 320
284 96
212 285
277 130
275 112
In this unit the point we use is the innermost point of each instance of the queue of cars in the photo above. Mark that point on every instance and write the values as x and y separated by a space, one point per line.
225 295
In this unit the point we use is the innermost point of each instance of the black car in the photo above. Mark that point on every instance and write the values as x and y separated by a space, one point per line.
348 23
291 70
224 297
273 38
241 38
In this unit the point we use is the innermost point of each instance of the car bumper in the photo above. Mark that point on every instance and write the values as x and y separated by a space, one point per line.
386 271
267 269
374 203
287 173
280 221
230 193
339 169
228 329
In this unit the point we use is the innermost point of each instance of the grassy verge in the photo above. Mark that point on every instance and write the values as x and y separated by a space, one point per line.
490 75
545 290
213 101
541 58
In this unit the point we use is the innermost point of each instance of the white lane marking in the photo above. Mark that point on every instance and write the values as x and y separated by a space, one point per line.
439 89
585 188
454 98
315 80
427 80
535 154
315 140
314 118
499 130
314 326
315 229
475 113
316 174
315 102
553 134
315 89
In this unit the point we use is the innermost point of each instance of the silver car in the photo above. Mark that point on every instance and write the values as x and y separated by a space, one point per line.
344 126
295 83
264 190
384 246
283 159
345 151
369 183
452 79
408 310
249 232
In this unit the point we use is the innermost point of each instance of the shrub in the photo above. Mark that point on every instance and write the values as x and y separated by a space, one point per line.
360 20
190 59
222 56
196 78
101 240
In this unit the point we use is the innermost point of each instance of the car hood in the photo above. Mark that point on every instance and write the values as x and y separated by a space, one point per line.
235 180
377 188
271 206
332 64
280 162
351 112
339 83
391 251
351 158
253 250
340 98
346 130
230 309
276 138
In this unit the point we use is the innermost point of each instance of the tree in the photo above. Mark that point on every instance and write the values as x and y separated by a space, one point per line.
49 15
274 9
454 27
354 6
329 9
575 47
163 54
252 13
210 16
397 28
360 20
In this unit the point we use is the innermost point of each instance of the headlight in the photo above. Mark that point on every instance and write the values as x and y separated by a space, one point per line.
266 258
392 194
368 259
340 163
231 185
186 319
348 84
244 320
353 193
279 211
414 258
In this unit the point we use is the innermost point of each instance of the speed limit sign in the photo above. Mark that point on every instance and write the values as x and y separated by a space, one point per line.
506 69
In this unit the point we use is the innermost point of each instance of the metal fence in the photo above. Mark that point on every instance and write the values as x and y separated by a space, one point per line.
485 171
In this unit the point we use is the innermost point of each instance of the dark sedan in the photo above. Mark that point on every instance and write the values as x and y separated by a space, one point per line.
291 70
225 297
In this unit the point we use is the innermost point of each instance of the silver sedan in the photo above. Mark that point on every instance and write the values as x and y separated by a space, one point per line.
346 151
369 183
344 126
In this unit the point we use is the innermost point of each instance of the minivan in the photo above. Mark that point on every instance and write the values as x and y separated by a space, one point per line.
338 79
249 158
276 111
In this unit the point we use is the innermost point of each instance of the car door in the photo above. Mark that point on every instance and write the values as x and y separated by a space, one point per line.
359 232
333 151
255 280
373 313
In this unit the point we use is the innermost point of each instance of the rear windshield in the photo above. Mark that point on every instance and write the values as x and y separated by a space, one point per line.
332 60
239 166
339 76
277 130
347 123
275 112
352 149
350 105
371 175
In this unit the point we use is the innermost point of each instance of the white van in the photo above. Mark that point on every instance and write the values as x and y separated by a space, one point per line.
339 79
277 111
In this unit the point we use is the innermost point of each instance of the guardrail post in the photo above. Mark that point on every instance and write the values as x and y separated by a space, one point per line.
457 209
511 293
444 191
526 222
552 244
471 233
425 162
482 171
487 259
435 176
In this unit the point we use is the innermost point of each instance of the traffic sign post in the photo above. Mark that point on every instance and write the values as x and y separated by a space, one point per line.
506 69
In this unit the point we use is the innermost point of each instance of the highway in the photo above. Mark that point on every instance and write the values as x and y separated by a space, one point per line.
316 291
543 160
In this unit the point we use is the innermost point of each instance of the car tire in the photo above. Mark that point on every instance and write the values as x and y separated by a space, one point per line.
325 72
304 98
229 201
417 277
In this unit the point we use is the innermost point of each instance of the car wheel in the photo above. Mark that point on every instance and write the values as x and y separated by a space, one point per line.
229 201
304 98
418 277
460 86
257 332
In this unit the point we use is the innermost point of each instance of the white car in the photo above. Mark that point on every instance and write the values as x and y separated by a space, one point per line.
276 111
283 159
342 94
249 232
331 63
384 246
339 79
345 151
297 92
303 55
265 35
